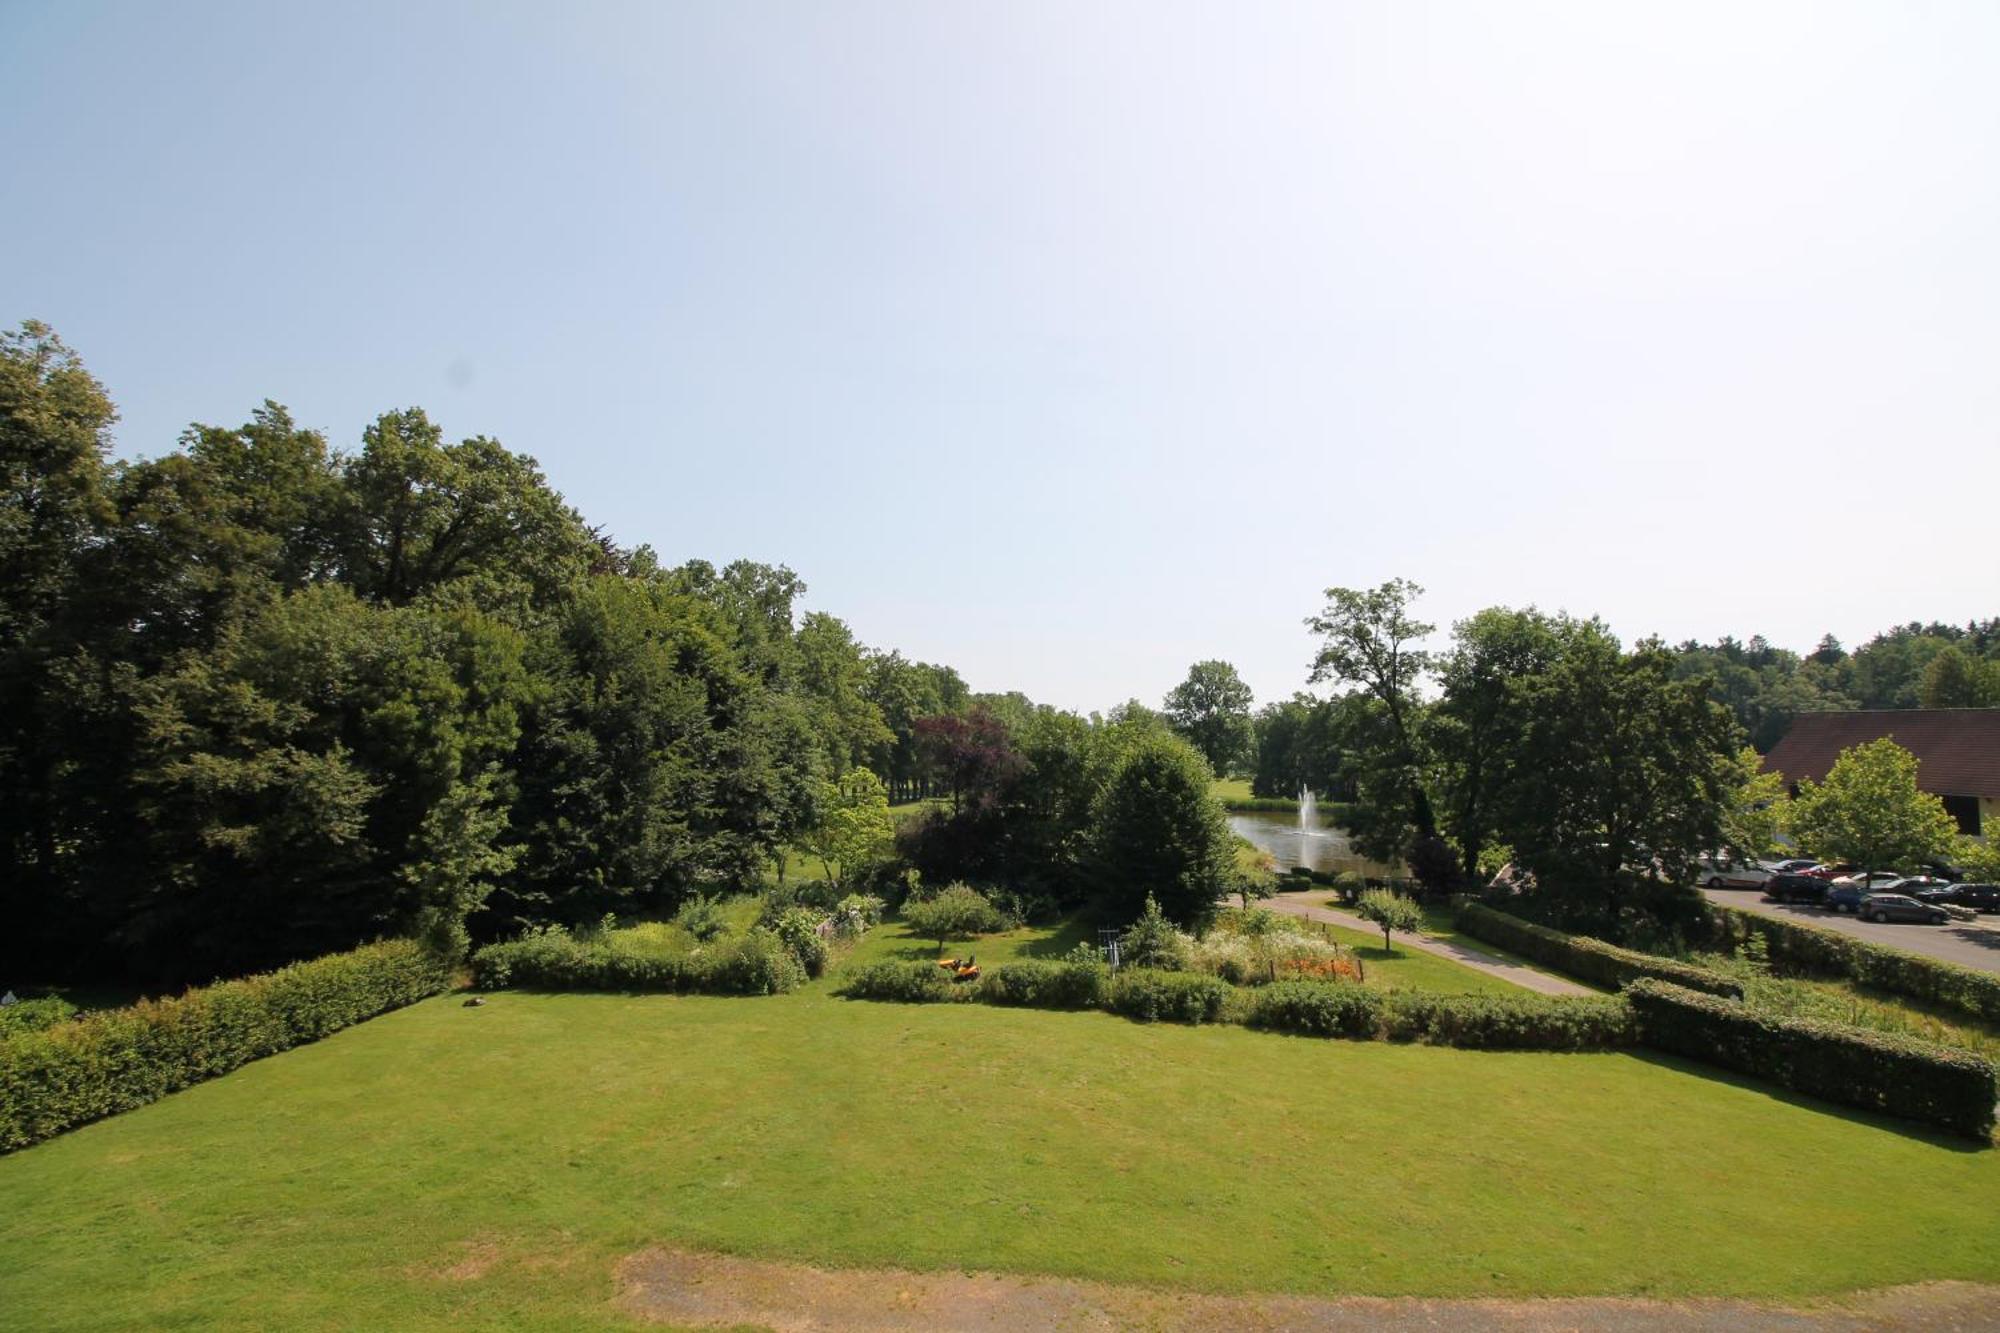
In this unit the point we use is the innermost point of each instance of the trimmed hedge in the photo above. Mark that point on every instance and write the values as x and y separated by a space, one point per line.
1316 1008
1584 957
1175 997
755 963
34 1015
1493 1022
909 983
1035 983
1854 1066
1511 1022
115 1059
1795 947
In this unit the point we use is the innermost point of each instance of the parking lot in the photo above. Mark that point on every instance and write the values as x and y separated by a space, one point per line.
1972 943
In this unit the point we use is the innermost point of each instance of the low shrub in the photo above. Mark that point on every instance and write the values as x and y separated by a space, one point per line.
857 914
1584 957
1038 983
800 930
34 1015
1853 1066
1154 942
1510 1022
754 963
1794 947
1176 997
112 1060
906 982
1316 1008
701 916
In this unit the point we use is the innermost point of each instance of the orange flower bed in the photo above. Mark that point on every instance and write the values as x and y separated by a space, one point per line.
1342 968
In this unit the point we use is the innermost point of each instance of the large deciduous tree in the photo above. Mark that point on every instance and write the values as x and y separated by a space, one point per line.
1370 641
1621 778
1474 732
1211 708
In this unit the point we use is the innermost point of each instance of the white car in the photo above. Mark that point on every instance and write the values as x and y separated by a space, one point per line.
1715 872
1875 881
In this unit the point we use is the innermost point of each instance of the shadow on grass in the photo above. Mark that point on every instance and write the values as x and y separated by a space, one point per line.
1909 1129
1035 941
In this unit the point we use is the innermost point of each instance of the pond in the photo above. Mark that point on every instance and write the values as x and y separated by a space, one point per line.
1302 840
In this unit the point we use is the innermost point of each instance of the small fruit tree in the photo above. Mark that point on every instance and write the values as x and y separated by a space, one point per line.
957 913
1391 911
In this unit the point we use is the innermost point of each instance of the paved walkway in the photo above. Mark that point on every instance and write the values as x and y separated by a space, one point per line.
1968 943
1311 906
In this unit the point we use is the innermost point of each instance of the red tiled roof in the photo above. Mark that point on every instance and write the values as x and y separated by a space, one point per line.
1957 749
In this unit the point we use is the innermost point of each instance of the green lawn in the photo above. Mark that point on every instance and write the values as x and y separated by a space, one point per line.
444 1166
1231 789
1407 968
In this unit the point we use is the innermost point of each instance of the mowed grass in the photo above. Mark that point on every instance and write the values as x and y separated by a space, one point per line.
1406 968
444 1166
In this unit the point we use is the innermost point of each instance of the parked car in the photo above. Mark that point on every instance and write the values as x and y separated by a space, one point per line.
1845 894
1832 869
1868 881
1793 887
1791 865
1901 907
1979 897
1717 873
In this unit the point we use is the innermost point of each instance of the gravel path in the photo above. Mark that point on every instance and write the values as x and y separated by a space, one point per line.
1311 907
711 1290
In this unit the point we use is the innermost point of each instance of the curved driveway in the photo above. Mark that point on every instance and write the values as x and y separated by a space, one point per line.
1970 943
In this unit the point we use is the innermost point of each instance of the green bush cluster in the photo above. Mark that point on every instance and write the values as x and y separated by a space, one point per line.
1495 1022
56 1078
1584 957
799 930
905 982
754 963
1038 983
1793 947
1856 1067
1175 997
34 1015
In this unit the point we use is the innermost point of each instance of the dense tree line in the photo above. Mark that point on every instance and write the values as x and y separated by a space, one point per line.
1910 666
260 698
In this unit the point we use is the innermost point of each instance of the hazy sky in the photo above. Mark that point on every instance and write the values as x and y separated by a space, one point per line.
1071 343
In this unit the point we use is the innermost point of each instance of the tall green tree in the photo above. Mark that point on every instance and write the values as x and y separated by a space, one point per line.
1870 811
1160 831
1474 732
1622 772
854 829
1369 640
419 513
55 422
1211 708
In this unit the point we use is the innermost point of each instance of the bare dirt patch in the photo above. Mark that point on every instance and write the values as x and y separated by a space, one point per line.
687 1288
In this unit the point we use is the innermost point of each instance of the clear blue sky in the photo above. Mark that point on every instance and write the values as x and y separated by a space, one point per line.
1070 343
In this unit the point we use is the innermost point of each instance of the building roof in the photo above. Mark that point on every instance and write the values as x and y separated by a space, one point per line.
1957 749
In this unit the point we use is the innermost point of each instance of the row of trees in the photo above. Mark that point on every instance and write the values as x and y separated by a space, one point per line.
260 699
1910 666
